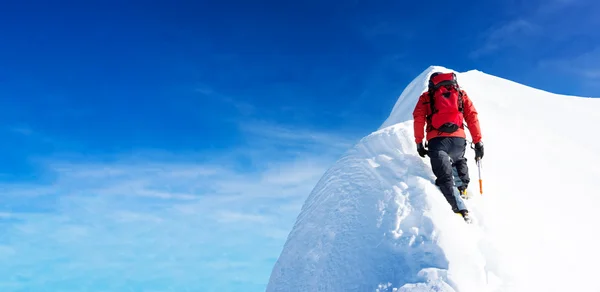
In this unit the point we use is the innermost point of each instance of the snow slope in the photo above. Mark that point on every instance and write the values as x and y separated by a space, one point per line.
376 221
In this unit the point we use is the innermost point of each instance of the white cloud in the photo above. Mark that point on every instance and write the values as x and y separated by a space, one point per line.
583 70
586 65
207 92
387 29
508 34
278 135
161 218
551 7
204 89
129 216
547 22
22 129
237 217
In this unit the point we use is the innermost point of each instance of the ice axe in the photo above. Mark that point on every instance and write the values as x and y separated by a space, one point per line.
478 161
480 180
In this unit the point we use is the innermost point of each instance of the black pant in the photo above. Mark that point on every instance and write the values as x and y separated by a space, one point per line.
446 153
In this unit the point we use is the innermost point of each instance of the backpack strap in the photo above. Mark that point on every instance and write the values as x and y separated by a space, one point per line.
432 107
460 99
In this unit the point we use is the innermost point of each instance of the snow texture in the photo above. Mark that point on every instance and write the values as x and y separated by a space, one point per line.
376 221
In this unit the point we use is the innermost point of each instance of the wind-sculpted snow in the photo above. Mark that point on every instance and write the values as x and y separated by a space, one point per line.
377 222
371 212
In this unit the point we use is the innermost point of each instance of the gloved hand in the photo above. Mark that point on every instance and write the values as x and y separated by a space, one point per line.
421 149
478 150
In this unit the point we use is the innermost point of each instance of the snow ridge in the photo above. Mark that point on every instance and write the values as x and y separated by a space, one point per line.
383 232
377 222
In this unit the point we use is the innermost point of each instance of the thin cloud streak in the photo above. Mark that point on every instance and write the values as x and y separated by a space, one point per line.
511 33
586 65
529 30
159 219
277 134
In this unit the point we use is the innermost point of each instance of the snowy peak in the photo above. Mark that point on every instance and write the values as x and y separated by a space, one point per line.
402 110
479 85
377 222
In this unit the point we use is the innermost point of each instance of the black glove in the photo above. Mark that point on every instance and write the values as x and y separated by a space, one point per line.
478 150
421 149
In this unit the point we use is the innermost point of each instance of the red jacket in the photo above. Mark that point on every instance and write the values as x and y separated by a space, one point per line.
423 109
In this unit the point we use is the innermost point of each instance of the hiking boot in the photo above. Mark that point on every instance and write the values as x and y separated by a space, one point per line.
465 215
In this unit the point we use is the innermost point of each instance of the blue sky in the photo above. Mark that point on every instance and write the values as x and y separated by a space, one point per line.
171 144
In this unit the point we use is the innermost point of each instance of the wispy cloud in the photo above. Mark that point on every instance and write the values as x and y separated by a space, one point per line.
208 92
204 89
22 130
508 34
550 7
26 132
546 21
387 29
295 137
585 66
160 219
236 217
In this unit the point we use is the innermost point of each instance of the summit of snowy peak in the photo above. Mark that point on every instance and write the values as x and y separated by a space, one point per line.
435 68
479 86
403 108
376 220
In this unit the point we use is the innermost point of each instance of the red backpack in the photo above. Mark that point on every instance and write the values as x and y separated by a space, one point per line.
445 98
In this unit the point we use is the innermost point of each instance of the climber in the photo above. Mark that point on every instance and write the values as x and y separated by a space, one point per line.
441 111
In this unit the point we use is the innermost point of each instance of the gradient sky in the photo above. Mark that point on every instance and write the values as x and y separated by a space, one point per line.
170 144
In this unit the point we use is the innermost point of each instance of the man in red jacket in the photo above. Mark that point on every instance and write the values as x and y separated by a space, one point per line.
441 112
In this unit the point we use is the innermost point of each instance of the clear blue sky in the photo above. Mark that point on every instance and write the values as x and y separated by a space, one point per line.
143 108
